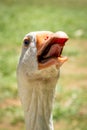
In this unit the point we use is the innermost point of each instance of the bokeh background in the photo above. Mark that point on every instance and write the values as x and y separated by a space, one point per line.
18 17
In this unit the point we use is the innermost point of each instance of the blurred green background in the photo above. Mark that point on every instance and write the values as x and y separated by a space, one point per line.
18 17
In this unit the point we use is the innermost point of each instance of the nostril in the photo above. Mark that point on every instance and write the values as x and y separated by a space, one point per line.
46 37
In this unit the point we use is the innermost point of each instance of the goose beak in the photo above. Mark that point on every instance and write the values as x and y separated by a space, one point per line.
49 49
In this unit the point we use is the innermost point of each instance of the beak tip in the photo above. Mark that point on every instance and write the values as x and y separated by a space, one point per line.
62 35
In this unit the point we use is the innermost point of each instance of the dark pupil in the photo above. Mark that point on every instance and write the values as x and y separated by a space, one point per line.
26 42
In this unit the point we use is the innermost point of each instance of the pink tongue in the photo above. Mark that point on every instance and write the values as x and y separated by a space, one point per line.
54 51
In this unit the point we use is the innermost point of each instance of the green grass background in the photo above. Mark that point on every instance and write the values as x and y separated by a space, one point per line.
18 17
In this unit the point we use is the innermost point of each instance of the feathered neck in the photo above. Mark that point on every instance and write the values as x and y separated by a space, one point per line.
37 99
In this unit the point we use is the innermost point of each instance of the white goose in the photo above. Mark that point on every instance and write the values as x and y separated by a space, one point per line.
37 74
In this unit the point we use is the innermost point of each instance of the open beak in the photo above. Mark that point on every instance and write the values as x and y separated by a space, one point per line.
49 49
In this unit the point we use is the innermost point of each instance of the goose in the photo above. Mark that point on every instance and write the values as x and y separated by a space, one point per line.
37 75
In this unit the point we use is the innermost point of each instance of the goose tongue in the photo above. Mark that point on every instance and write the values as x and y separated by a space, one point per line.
55 51
54 48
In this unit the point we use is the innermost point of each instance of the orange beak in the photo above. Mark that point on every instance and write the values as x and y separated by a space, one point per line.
49 49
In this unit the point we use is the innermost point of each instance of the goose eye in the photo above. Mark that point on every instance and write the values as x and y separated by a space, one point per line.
26 42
